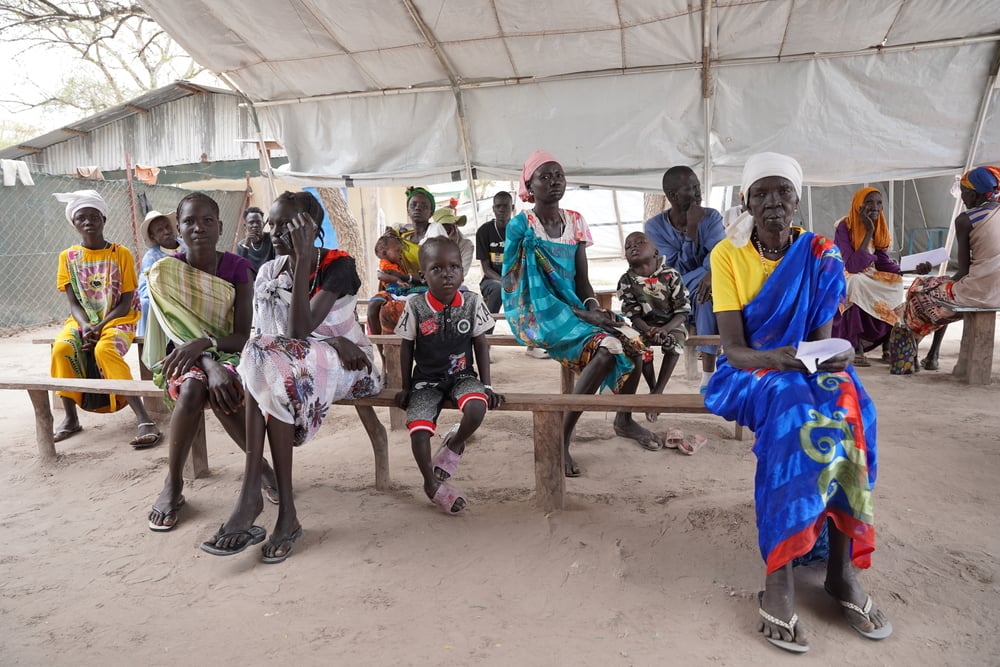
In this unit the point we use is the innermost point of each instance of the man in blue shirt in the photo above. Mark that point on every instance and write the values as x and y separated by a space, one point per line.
685 234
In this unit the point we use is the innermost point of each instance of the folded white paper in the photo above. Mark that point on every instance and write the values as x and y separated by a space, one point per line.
814 352
935 257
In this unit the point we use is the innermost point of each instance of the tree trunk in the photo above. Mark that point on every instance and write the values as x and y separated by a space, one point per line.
653 204
350 235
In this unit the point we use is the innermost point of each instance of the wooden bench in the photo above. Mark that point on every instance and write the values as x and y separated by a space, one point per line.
683 402
197 464
975 357
547 417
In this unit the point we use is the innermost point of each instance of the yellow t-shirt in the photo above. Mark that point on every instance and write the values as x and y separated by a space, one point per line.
738 274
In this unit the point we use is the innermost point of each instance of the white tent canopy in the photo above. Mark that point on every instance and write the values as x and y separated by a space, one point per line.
404 91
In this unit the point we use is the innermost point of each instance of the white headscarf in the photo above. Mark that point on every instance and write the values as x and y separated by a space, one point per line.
757 167
82 199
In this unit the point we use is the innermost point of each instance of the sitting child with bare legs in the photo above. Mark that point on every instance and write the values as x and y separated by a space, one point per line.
654 298
440 329
391 277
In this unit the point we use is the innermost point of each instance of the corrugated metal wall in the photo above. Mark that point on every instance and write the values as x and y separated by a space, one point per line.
205 127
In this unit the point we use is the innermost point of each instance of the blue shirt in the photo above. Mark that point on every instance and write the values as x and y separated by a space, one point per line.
690 257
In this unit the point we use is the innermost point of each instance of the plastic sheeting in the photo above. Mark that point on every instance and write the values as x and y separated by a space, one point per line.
399 91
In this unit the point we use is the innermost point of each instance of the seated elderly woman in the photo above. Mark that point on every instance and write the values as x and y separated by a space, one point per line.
775 286
550 303
874 280
977 280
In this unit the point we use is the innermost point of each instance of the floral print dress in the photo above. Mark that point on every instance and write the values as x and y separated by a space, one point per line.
295 380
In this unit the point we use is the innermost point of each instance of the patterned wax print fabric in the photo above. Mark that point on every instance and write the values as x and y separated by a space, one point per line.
656 299
186 303
98 278
815 432
295 380
539 295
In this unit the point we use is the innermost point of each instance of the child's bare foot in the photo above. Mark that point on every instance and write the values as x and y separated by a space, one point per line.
652 416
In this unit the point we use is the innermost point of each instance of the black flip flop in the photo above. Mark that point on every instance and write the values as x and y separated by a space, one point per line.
283 545
255 535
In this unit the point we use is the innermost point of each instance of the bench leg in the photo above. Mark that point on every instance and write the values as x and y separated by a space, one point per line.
692 371
975 357
380 445
567 379
393 378
196 465
43 425
738 432
550 476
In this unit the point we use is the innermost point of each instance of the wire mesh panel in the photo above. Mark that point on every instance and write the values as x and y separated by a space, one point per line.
35 231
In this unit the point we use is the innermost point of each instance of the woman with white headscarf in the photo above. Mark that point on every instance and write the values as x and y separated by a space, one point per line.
100 282
776 286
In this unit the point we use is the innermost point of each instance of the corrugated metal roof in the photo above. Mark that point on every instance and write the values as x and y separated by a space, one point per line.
139 105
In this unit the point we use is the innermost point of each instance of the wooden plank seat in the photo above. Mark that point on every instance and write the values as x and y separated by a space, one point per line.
397 417
975 356
197 464
547 413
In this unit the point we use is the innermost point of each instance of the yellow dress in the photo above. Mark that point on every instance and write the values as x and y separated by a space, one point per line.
98 278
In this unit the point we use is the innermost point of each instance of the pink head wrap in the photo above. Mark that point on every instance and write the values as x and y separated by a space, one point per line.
534 161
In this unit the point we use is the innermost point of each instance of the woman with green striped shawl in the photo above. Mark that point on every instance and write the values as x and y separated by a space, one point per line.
201 307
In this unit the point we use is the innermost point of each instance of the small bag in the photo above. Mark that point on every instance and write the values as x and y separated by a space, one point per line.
93 402
902 351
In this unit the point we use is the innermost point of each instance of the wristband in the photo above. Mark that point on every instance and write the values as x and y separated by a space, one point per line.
212 341
591 298
488 386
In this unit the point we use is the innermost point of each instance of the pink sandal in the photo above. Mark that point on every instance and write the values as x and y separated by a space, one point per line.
691 444
445 462
446 497
674 438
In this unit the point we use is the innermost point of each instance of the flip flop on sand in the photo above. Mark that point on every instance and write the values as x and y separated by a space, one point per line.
167 520
789 625
146 440
255 535
691 444
271 493
278 552
853 611
65 433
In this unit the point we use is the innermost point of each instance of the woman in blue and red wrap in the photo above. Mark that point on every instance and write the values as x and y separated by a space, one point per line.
774 286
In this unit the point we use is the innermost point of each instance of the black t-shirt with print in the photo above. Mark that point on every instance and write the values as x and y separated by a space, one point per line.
489 246
443 334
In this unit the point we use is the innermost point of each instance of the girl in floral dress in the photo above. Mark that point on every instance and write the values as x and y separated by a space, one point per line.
306 350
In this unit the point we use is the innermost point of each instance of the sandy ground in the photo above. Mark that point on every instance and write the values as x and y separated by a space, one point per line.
654 561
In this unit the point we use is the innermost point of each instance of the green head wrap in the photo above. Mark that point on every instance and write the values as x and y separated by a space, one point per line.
416 190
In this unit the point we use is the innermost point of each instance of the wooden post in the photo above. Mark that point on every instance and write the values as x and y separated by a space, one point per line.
975 358
196 465
567 379
393 378
550 474
154 406
380 445
43 425
691 368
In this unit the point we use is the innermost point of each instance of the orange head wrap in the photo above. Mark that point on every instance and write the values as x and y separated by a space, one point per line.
881 237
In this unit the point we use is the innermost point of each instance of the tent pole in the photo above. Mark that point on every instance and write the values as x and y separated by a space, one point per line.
984 107
902 221
456 89
706 94
618 219
890 219
809 193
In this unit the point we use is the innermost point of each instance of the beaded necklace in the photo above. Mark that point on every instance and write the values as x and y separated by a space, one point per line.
768 268
315 276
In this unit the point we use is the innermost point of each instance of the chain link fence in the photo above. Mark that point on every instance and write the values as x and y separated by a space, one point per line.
35 231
